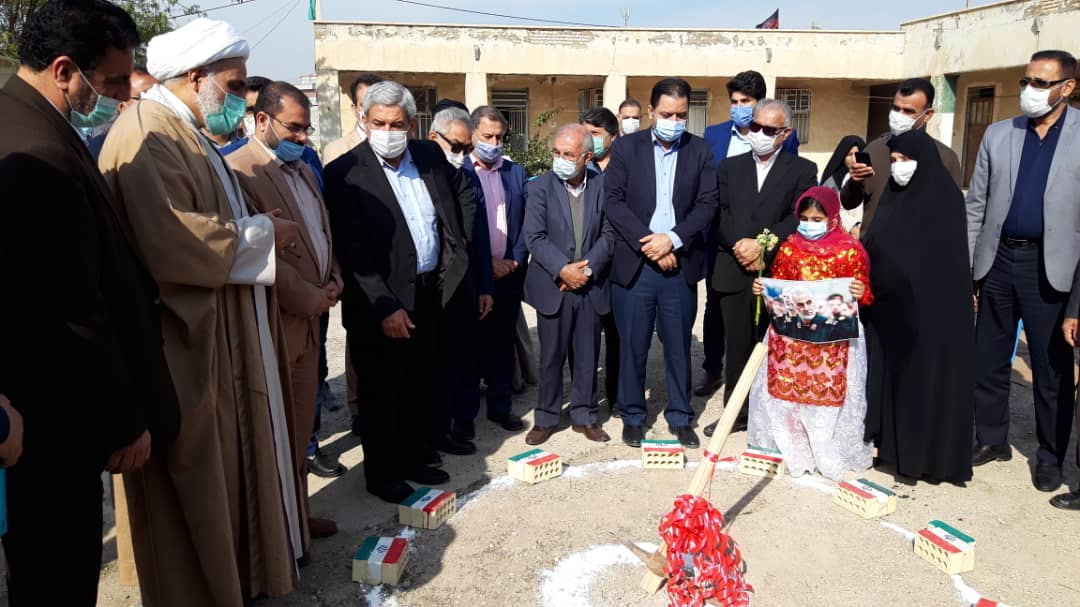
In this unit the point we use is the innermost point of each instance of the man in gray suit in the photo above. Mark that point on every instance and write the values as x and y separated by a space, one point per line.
571 247
1023 228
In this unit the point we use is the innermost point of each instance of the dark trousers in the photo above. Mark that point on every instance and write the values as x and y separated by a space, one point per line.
324 371
713 333
54 517
611 359
740 334
1016 289
398 374
459 386
576 325
496 345
660 300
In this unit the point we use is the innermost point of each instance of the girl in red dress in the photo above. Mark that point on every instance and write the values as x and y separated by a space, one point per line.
809 401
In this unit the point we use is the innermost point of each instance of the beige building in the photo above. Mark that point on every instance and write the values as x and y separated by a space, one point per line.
838 82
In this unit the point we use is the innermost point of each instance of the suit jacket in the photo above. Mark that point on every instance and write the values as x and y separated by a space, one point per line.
990 196
630 200
744 212
549 233
299 282
79 319
339 147
309 156
481 275
372 240
514 180
719 138
868 192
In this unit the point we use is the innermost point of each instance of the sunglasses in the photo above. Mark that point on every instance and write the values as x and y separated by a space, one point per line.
1039 83
455 147
771 131
295 129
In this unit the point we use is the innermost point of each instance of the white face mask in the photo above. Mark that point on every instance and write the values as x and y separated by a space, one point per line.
1035 103
388 144
630 125
249 125
762 144
564 169
902 171
456 160
900 123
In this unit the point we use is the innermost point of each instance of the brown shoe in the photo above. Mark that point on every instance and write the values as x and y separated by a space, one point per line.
539 435
321 527
593 432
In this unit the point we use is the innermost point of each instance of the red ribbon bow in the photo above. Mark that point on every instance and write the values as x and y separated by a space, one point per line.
694 533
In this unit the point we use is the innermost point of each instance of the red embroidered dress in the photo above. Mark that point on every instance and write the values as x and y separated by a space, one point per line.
803 372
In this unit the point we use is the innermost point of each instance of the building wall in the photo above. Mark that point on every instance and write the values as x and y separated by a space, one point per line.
450 86
547 93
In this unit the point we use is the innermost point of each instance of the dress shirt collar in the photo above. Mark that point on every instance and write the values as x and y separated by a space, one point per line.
656 141
766 164
406 161
735 131
273 157
479 166
580 188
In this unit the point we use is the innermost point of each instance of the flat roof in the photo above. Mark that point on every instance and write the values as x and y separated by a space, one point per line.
611 28
973 9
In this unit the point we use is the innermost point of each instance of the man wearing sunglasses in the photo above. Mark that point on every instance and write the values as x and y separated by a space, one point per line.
275 179
912 108
1022 233
757 191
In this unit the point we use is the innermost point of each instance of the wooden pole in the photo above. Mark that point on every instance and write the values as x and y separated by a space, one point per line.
653 582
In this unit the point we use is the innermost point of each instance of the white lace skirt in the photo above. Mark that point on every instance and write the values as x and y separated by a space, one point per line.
810 437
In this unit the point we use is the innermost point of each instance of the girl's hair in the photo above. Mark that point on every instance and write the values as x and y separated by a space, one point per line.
810 203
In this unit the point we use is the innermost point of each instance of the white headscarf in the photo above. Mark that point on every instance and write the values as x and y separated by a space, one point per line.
199 42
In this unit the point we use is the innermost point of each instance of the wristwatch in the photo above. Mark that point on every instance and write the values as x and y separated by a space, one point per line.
587 271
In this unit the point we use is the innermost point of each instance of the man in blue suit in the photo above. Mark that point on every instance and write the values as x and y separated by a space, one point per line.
729 139
571 248
503 184
660 197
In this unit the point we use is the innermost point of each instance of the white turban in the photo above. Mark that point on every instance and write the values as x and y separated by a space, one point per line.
199 42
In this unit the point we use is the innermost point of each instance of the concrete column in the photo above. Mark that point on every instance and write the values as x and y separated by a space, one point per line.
614 91
328 92
770 85
942 126
476 90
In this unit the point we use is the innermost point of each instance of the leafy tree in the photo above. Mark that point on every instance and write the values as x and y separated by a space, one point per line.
536 157
152 17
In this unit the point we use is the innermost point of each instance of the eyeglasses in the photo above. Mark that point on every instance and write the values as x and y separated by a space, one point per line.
771 131
295 129
1039 83
455 147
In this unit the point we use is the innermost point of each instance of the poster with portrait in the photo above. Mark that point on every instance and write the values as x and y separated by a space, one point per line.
818 311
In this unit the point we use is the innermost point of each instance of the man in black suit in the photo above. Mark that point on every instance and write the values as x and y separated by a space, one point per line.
757 191
401 216
81 356
660 191
567 284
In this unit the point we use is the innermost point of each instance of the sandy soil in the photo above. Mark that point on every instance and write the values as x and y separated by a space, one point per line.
554 544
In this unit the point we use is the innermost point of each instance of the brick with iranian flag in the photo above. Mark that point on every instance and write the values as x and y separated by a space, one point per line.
534 466
662 454
380 560
427 508
865 498
946 547
761 461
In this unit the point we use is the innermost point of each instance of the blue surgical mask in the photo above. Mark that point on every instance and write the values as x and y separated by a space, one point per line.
288 151
487 153
669 130
564 169
812 230
598 146
105 109
741 115
230 116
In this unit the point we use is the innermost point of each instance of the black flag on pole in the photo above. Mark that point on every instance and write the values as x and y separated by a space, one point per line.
772 23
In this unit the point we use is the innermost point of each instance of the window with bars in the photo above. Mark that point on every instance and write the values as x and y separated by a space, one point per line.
799 100
699 112
514 105
588 99
425 102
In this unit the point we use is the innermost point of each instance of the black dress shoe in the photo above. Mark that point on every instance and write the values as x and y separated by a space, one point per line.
1067 501
324 466
395 492
428 476
614 409
1047 477
633 435
510 423
686 435
433 459
740 425
356 426
984 454
453 446
464 431
709 384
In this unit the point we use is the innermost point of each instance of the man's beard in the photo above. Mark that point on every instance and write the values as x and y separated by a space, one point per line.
209 101
83 102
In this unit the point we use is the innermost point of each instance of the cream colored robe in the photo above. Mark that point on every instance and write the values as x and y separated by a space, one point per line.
215 520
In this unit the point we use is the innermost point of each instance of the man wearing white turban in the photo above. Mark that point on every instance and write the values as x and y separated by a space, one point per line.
215 521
